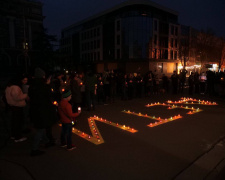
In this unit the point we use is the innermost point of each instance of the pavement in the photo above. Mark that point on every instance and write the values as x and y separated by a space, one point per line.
189 148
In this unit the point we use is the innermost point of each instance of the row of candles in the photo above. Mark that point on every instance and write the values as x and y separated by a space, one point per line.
160 121
96 137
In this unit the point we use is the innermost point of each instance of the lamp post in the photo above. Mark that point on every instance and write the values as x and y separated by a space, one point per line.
25 44
25 52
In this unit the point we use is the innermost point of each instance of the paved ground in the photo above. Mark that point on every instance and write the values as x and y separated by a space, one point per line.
191 147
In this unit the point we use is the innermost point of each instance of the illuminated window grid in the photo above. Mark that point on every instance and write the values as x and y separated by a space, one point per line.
96 137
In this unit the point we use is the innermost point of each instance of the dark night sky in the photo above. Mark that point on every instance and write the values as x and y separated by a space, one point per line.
200 14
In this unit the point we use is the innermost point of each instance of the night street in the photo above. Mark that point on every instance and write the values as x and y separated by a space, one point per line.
112 90
189 147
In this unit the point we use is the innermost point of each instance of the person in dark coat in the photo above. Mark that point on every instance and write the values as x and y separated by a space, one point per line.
165 83
76 93
100 91
191 83
42 110
175 82
90 82
124 87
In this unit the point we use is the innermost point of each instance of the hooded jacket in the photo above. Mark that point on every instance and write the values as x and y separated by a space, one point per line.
15 96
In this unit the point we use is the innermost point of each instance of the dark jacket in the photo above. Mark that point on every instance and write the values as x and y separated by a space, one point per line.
42 111
75 90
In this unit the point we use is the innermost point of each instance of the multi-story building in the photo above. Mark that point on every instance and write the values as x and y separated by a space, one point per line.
20 23
137 35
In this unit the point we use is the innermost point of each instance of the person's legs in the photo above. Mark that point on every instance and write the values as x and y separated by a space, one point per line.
69 135
92 96
17 122
63 134
39 135
88 99
51 140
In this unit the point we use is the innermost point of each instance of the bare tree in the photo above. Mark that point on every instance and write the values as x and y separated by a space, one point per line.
205 45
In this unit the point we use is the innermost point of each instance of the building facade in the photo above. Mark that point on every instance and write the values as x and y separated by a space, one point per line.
20 23
133 36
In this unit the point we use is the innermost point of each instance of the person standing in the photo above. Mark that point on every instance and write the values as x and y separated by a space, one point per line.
25 86
90 82
42 110
17 101
66 117
175 82
191 83
76 93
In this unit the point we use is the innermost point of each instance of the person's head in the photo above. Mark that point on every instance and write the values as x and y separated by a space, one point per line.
24 79
66 95
39 73
75 76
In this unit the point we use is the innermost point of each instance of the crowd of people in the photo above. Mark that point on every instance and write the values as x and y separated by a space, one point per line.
44 99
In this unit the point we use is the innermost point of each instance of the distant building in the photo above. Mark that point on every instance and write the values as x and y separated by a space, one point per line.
137 35
20 23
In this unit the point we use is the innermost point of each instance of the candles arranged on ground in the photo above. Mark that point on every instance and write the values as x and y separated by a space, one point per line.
172 105
96 137
159 119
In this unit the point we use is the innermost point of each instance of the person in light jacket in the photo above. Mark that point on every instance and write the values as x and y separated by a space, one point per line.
16 100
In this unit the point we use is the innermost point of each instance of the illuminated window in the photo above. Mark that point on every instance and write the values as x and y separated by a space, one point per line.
171 42
175 55
175 41
171 54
